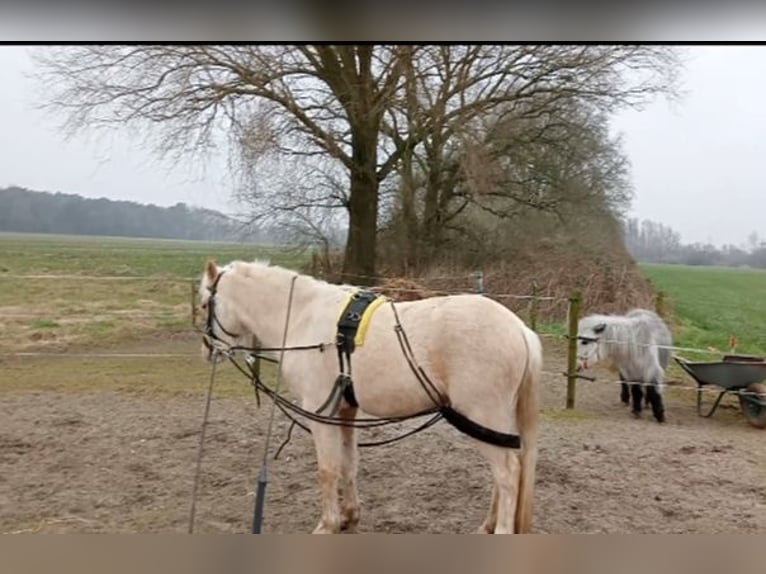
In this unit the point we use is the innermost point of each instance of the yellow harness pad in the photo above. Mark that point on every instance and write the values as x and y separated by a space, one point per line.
364 322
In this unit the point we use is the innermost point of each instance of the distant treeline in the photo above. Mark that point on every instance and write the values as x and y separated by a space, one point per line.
22 210
653 242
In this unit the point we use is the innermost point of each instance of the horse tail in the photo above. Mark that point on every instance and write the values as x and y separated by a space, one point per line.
527 413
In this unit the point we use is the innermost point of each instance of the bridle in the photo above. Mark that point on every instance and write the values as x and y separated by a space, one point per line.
212 318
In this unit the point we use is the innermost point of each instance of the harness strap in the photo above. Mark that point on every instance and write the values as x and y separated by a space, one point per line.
477 431
286 407
345 340
456 419
342 389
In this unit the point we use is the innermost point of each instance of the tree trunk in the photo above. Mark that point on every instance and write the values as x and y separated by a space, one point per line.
360 256
432 212
364 118
409 217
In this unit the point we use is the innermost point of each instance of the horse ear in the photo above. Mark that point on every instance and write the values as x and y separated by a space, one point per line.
211 270
599 328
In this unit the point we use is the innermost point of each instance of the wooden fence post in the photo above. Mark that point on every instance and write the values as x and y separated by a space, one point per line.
574 316
479 282
533 307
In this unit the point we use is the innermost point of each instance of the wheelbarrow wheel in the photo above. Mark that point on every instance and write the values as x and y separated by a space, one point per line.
754 405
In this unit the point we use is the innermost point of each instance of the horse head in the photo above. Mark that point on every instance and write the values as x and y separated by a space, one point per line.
589 331
222 328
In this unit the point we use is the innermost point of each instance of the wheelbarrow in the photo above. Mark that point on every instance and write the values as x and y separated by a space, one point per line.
740 374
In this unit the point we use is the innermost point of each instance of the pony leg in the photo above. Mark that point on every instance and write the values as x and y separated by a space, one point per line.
506 469
328 444
349 495
488 526
636 389
624 391
655 399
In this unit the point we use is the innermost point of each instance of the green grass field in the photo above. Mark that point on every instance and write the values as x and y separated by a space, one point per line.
110 295
102 294
58 292
710 304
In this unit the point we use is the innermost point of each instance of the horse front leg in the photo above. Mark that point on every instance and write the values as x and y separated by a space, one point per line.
624 391
349 495
637 392
328 444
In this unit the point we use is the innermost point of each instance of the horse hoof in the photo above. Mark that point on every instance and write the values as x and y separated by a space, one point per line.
349 527
636 414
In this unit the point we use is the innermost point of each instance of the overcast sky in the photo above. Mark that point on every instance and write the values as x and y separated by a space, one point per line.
697 165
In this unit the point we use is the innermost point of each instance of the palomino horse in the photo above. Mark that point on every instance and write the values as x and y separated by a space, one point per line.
482 360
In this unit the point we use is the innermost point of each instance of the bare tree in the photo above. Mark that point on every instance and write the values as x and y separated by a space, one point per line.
370 112
305 99
511 128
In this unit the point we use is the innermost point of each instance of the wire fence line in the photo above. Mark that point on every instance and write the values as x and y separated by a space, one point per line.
88 313
164 315
708 351
569 323
438 291
676 385
67 354
173 279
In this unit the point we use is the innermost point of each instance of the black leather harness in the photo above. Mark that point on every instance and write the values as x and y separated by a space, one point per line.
348 326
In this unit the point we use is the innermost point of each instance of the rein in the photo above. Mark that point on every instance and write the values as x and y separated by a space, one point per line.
193 509
288 407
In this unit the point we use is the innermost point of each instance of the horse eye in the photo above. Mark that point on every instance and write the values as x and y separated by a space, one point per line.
204 306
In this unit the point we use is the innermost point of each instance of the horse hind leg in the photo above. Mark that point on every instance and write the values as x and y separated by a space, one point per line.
506 470
490 521
655 400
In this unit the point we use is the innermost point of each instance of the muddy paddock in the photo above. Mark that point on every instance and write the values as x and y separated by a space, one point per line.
111 461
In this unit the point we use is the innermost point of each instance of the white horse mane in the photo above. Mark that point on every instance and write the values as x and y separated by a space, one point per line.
254 267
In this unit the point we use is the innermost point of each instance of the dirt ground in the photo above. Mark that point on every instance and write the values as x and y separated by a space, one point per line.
109 461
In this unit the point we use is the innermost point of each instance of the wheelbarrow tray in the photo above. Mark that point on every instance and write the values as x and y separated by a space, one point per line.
734 373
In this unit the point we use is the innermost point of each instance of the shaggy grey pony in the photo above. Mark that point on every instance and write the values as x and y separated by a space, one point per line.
637 344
